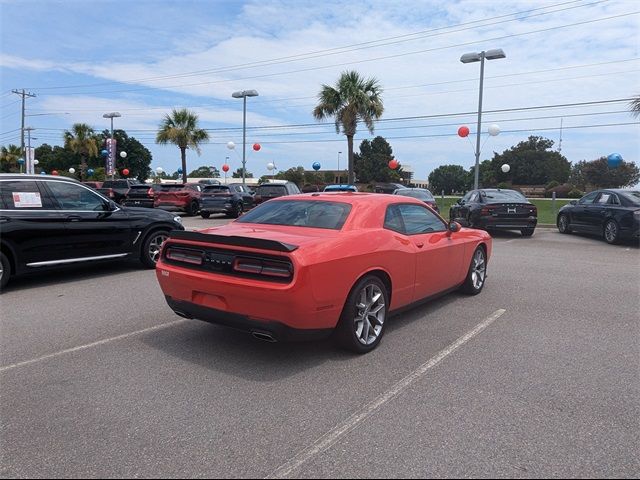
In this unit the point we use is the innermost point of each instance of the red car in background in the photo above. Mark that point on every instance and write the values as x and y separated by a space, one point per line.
304 266
183 197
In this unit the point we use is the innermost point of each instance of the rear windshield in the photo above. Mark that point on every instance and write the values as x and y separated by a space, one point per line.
170 187
271 190
299 213
632 196
495 196
215 188
419 194
144 187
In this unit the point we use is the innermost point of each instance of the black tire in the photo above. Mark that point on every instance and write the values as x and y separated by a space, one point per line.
563 224
527 232
237 211
611 232
368 292
151 247
5 270
477 273
205 215
193 208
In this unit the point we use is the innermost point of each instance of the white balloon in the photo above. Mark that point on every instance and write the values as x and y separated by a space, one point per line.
123 154
231 145
505 168
36 162
494 130
159 170
270 166
72 170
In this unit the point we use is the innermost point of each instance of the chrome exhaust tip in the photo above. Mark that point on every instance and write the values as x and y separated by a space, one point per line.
265 337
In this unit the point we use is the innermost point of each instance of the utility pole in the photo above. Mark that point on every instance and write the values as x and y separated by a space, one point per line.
30 158
23 94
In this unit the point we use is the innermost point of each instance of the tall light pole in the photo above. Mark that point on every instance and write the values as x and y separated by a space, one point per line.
480 57
244 94
29 157
339 176
112 115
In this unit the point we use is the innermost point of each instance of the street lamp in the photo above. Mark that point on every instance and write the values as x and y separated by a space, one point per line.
112 115
480 57
244 94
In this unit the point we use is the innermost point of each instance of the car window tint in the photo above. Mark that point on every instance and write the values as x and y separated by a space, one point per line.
613 200
24 195
216 189
588 199
272 190
603 198
393 219
499 196
300 213
418 219
70 196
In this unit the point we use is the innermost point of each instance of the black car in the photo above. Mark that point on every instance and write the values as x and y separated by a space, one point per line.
496 209
117 190
419 193
49 222
232 199
614 214
142 195
267 191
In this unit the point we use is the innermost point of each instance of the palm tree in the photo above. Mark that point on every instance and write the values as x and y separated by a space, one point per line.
635 106
9 157
181 128
82 140
352 99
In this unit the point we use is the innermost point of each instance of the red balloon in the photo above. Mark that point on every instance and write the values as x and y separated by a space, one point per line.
256 147
55 172
125 172
463 131
393 164
225 168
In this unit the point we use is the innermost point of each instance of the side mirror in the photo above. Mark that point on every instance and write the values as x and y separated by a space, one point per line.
573 202
454 227
460 201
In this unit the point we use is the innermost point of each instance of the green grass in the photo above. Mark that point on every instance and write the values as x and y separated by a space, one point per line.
546 214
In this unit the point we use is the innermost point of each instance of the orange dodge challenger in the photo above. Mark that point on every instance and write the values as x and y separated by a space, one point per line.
305 266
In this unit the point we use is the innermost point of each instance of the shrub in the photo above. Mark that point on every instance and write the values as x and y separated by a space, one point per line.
551 184
503 185
575 193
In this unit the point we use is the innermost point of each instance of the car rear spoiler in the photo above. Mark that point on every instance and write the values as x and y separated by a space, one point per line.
236 241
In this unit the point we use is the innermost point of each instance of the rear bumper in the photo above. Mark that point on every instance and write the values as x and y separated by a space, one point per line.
276 330
501 223
217 207
137 203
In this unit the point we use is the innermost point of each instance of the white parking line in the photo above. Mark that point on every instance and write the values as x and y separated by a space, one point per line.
90 345
342 429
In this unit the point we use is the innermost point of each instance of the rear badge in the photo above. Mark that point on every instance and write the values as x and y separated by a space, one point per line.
165 273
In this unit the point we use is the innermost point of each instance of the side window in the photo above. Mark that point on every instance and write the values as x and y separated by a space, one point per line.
21 195
466 198
393 219
588 199
614 200
70 196
417 219
474 197
603 198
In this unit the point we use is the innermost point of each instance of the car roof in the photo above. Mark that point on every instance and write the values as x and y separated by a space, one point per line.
353 198
24 176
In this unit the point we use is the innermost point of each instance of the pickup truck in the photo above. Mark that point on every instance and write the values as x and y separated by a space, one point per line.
142 195
117 190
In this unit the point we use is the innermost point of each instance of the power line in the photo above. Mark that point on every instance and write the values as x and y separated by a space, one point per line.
346 48
387 57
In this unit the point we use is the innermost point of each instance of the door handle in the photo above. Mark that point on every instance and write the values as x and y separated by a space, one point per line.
74 218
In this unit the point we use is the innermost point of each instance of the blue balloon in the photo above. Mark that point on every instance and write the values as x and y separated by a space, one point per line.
43 172
90 172
316 166
180 171
614 160
104 153
21 161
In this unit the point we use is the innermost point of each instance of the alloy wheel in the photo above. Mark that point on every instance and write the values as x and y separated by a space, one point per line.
155 245
611 231
478 269
370 314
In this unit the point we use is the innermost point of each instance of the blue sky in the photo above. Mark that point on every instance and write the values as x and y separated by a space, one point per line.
85 58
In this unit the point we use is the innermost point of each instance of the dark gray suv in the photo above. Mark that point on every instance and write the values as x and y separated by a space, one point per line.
49 222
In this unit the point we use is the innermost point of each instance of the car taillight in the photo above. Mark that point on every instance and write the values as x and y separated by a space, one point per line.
111 194
150 193
185 256
256 266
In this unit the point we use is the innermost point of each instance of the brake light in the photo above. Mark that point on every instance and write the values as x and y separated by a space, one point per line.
256 266
150 193
185 256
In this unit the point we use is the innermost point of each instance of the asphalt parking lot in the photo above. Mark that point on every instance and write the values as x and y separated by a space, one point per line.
538 376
